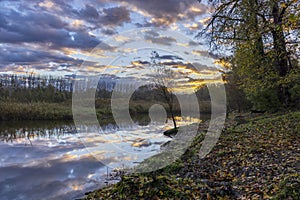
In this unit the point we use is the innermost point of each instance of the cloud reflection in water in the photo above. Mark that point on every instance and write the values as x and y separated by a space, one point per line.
58 166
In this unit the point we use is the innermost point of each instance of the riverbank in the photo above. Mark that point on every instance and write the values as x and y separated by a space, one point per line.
35 111
256 158
63 111
12 111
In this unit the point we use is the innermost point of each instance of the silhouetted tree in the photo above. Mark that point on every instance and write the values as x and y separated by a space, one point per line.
164 82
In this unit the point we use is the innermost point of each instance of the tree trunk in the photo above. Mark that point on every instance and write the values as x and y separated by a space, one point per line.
279 42
173 118
281 60
258 45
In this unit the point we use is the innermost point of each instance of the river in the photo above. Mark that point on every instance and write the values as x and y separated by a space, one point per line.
49 160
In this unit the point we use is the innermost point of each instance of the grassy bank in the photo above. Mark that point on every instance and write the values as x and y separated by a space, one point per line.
63 110
59 111
35 111
255 160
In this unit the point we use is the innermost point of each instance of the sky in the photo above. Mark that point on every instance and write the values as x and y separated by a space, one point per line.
110 37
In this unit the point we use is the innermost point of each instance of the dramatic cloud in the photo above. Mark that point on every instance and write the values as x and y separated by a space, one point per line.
108 31
89 12
205 54
55 34
25 59
115 16
42 28
105 17
165 12
169 57
161 40
26 56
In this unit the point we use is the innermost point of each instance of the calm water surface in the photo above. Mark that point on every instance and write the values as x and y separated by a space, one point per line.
48 160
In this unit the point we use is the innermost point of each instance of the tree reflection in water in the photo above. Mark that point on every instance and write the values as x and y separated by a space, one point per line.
29 130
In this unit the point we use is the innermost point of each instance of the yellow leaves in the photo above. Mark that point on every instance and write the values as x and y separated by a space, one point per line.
250 162
141 193
208 196
283 5
224 164
235 179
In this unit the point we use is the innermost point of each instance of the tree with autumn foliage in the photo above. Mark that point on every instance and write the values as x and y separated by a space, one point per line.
263 39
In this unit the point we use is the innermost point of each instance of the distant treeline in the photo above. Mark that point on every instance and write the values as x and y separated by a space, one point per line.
49 89
31 88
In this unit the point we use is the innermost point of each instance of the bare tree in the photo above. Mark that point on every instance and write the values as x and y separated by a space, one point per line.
163 79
